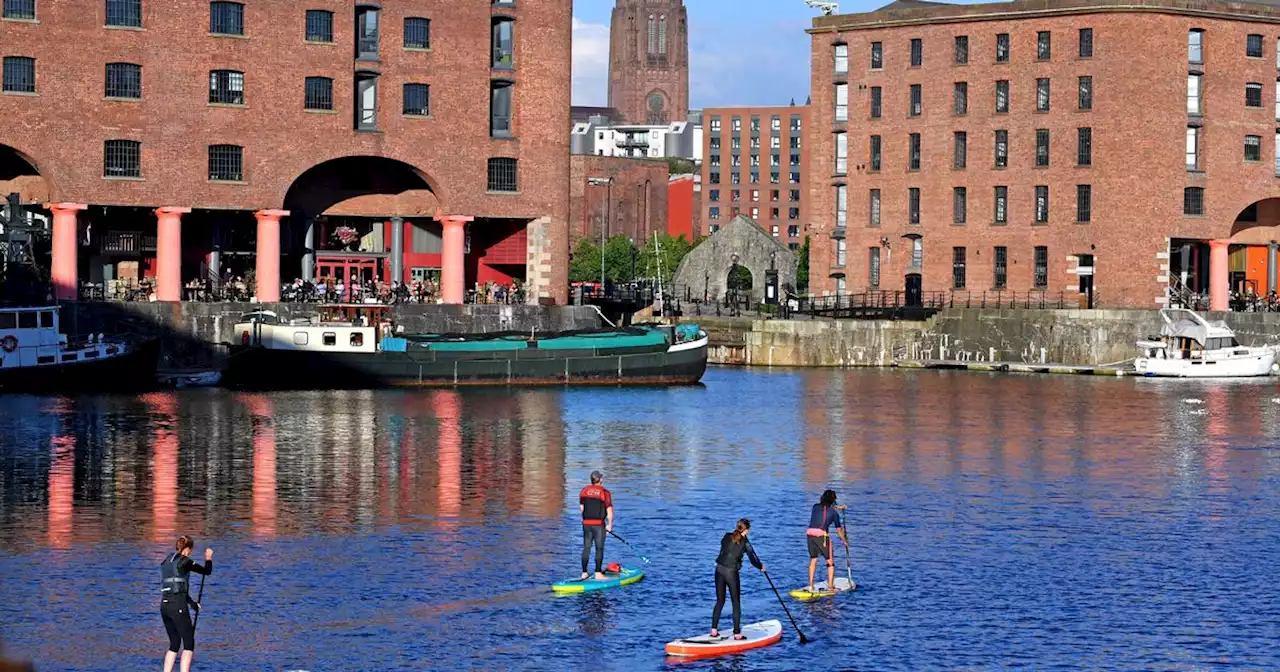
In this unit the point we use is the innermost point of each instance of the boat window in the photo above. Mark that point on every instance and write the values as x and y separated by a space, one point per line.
91 354
47 359
46 319
1232 342
300 338
357 340
330 338
69 358
8 321
26 320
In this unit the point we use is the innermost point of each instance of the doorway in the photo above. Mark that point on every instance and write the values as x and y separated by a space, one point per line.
1084 269
915 290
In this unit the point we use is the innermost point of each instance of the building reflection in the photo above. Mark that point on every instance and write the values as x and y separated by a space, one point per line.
62 475
262 414
162 408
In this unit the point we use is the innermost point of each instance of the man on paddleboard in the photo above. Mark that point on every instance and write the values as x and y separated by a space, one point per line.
596 505
821 518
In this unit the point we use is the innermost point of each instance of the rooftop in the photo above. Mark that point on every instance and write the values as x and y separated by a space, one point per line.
908 12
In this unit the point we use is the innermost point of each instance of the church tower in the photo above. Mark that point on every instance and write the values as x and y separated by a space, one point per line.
649 61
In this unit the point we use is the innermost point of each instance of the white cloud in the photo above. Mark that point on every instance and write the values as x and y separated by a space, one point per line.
590 63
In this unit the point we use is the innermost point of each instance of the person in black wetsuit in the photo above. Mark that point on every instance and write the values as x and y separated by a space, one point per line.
175 600
728 565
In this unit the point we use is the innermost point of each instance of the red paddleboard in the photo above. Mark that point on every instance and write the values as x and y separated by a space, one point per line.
757 635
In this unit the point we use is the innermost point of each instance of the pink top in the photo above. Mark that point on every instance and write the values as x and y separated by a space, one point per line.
815 532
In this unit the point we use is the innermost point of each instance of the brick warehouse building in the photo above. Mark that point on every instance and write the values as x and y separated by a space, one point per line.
223 133
626 196
753 165
1030 146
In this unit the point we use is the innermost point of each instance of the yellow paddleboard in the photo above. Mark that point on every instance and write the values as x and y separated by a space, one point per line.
843 585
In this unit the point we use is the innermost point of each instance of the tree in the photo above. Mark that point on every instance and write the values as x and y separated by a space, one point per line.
802 268
619 259
665 256
679 166
585 263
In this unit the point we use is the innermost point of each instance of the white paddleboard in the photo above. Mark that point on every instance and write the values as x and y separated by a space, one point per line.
756 635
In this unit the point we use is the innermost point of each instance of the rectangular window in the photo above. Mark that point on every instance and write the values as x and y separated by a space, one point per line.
842 206
1001 210
873 267
795 123
1252 148
842 59
917 252
319 25
1253 95
1042 45
366 104
713 212
917 52
755 216
962 98
1002 149
226 87
875 101
842 102
1278 100
226 18
1253 46
124 80
842 153
962 49
503 175
735 195
417 33
500 107
368 21
874 209
1084 146
877 56
1086 92
913 160
1193 94
1041 278
714 177
1002 96
1277 153
1042 94
913 205
20 9
875 153
124 13
1001 279
715 124
959 205
1002 48
960 160
841 247
1042 204
417 100
775 124
226 163
502 41
1042 147
19 74
122 158
1086 43
794 196
917 102
714 196
1193 148
1195 46
1084 203
957 267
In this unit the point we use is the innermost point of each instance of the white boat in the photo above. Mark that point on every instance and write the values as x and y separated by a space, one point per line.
1191 347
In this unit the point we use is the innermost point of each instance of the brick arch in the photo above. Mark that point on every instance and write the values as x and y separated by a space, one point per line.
20 172
1257 222
363 185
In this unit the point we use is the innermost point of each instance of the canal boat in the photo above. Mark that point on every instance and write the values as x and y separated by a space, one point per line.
35 356
359 347
1190 346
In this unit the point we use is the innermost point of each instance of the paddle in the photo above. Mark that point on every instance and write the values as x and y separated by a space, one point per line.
848 565
803 639
199 597
633 548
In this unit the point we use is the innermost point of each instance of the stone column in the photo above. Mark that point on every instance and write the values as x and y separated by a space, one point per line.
309 252
169 253
65 269
267 273
1271 267
453 258
397 249
1219 275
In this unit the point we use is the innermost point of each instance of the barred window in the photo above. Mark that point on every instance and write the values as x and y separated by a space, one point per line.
417 33
914 152
873 267
1041 267
1252 148
417 100
1042 147
875 153
1001 279
1253 94
959 205
1193 201
962 49
126 13
958 267
226 87
226 18
961 158
20 74
502 175
913 205
1002 96
122 158
1002 149
20 9
1084 146
875 102
917 52
1042 45
962 98
874 219
917 103
877 56
319 25
1086 92
319 94
1001 209
1002 48
226 163
124 80
1086 43
1042 94
1042 204
1084 203
1253 46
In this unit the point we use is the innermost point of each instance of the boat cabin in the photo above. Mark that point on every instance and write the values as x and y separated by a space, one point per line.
32 337
1192 337
339 328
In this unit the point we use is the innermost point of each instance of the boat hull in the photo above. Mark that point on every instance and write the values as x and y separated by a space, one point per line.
132 370
1251 366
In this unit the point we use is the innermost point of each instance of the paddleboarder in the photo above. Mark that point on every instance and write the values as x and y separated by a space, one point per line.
728 566
821 518
175 600
596 505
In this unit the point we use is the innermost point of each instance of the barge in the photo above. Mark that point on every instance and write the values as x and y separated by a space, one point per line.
35 356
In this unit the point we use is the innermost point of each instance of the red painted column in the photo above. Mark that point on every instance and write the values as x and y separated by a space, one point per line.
268 269
452 260
65 269
169 253
1219 275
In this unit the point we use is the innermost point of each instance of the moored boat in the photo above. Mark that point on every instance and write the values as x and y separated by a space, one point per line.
357 347
35 356
1190 346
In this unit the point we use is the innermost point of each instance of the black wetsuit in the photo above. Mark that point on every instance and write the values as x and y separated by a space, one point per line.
728 565
175 574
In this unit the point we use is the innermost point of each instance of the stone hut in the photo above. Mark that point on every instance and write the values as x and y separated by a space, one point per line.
704 272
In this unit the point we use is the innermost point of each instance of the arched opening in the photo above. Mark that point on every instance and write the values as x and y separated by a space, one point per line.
25 260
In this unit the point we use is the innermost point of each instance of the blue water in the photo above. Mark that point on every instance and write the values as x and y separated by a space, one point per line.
997 522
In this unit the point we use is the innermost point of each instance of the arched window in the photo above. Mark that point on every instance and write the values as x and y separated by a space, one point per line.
662 35
653 35
657 112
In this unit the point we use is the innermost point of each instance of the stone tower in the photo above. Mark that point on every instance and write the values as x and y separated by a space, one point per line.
649 61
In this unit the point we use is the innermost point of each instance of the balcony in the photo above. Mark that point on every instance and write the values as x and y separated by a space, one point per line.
127 242
635 141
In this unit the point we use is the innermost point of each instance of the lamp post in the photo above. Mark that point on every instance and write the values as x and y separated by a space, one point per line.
607 183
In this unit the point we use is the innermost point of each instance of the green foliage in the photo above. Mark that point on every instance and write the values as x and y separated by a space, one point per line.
802 268
619 261
625 261
585 264
739 279
679 166
670 250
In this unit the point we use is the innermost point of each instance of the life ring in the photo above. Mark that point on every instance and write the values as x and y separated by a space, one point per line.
9 343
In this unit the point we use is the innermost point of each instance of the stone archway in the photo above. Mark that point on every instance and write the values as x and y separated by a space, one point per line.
703 274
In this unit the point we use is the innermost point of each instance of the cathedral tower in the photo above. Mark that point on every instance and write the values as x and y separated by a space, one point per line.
649 61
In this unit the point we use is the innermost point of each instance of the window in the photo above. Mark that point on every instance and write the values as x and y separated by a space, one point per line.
1002 96
1278 100
735 144
715 124
1042 94
1253 46
356 340
1041 278
1042 147
122 158
841 249
795 123
226 87
959 205
755 215
1195 46
1084 146
318 94
1002 149
1002 48
737 124
961 154
715 143
842 102
842 59
913 205
715 161
957 267
124 13
793 213
962 49
755 194
500 106
913 160
1086 92
1042 204
417 100
735 195
794 196
775 176
1001 208
367 33
795 176
226 163
1253 94
1252 148
124 80
1084 203
226 18
775 124
1193 148
417 32
962 98
20 74
773 195
502 175
875 101
1042 45
917 104
714 195
366 106
713 213
917 252
715 177
329 338
1001 279
873 267
875 153
917 52
1193 94
842 153
319 25
20 9
877 56
1086 43
735 178
874 209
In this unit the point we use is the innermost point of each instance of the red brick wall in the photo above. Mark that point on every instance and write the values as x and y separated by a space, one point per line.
634 214
680 207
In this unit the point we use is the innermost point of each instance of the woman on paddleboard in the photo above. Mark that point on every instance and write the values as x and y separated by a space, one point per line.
728 566
821 518
175 582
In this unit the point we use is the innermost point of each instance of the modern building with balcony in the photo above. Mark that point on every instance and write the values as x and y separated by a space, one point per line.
598 136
